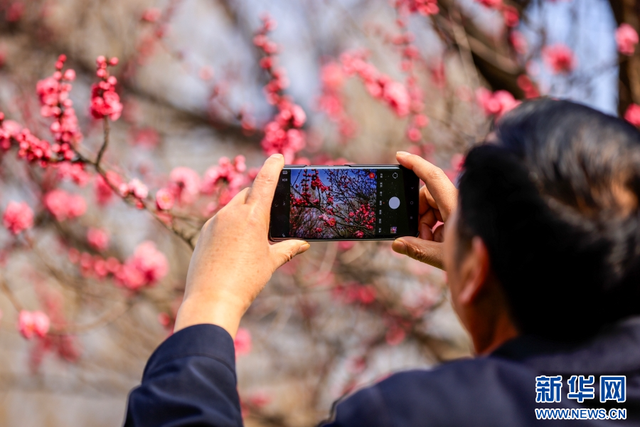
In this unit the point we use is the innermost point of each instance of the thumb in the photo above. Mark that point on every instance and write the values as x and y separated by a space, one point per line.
283 252
426 251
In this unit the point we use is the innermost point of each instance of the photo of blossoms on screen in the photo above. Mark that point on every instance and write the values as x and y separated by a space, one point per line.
333 203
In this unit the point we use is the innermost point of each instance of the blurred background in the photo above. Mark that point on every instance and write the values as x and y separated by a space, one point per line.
107 173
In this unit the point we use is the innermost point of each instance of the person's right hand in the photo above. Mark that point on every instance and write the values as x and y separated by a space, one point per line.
438 199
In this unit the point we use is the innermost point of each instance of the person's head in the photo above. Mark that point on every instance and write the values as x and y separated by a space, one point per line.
548 222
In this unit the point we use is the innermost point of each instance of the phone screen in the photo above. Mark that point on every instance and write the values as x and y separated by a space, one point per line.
351 202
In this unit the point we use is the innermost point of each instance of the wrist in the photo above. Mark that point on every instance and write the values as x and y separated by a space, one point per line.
199 309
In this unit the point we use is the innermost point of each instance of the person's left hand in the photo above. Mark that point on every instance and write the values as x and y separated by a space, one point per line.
233 259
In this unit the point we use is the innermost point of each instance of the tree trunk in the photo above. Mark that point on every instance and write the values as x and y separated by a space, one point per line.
628 11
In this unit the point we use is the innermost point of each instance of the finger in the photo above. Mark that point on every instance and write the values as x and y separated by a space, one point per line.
438 184
422 250
425 231
438 233
282 252
239 198
264 186
429 218
426 200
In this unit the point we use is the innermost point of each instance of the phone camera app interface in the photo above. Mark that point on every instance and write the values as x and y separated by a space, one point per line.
333 203
394 198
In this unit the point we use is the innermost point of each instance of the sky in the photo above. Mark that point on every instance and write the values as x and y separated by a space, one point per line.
595 82
309 29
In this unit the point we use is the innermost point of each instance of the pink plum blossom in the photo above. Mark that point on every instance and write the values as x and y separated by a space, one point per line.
146 137
136 188
627 39
63 205
496 103
98 238
511 16
32 323
395 335
73 171
518 41
164 199
185 184
145 267
102 189
559 58
397 97
242 342
151 14
8 130
632 115
227 172
18 217
494 4
423 7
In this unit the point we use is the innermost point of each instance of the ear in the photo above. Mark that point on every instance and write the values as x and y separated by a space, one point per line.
477 275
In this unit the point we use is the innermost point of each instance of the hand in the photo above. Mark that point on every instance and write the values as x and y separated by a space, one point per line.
233 259
438 199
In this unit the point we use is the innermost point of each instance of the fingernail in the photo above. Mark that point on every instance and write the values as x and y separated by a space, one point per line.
303 247
276 156
399 246
403 153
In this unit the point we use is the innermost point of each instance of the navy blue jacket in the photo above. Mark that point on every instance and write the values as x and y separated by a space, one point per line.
190 380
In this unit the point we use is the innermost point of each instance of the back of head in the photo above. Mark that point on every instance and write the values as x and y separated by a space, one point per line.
555 200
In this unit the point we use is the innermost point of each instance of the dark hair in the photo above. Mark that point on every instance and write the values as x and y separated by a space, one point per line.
555 201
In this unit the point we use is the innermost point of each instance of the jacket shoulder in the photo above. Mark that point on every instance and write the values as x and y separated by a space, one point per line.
482 391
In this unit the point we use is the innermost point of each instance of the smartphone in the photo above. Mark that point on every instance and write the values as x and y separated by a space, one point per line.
350 202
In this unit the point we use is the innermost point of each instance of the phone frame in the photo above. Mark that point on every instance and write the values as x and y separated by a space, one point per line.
404 170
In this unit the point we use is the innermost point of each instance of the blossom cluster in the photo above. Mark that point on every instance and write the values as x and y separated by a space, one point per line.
136 189
185 186
53 93
379 86
310 181
509 13
74 171
146 267
33 323
495 103
226 179
354 292
423 7
105 101
411 54
528 87
331 101
63 205
30 147
284 133
17 217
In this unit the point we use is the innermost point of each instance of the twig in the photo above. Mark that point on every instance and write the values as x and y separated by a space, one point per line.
109 317
9 293
464 49
101 171
105 143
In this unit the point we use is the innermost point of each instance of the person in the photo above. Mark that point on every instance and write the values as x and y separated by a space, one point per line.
541 245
